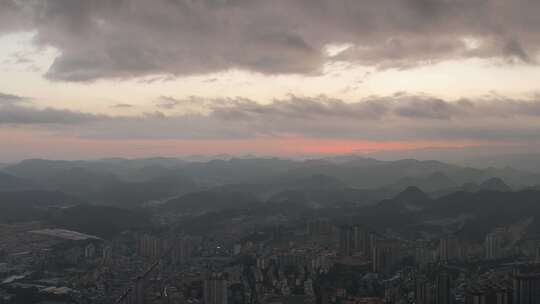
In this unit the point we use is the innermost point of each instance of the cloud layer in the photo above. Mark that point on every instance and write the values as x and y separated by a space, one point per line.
129 38
400 117
11 99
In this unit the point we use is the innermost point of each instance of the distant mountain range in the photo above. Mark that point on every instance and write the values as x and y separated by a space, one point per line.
476 157
523 161
317 182
31 204
62 210
469 214
10 182
105 197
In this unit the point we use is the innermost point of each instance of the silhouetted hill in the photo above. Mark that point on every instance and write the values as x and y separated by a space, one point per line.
134 170
431 175
268 187
219 172
95 181
494 184
318 181
354 160
524 161
489 209
39 169
80 181
210 200
430 183
9 183
31 205
412 195
317 198
315 191
471 214
127 183
411 199
125 169
468 187
103 221
129 194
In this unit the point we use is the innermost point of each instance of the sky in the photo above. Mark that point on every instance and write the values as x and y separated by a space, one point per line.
138 78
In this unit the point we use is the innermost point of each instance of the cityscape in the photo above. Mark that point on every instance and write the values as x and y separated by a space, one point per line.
278 235
269 152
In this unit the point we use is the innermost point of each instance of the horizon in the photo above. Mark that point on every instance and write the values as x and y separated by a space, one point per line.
496 157
496 161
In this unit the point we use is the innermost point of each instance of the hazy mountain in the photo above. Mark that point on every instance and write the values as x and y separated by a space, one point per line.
132 182
430 183
80 181
477 157
10 183
319 181
151 179
38 198
412 195
317 198
471 214
486 210
237 170
264 188
210 200
125 169
525 162
467 187
136 193
138 169
494 184
431 175
207 158
68 212
515 178
410 199
491 184
315 191
370 174
354 160
31 205
103 221
39 169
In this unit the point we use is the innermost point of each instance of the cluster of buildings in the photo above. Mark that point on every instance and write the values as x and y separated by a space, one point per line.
315 261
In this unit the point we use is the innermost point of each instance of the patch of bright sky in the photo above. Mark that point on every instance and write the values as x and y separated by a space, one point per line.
332 50
449 79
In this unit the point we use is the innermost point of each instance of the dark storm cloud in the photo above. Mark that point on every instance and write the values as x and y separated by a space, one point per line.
103 38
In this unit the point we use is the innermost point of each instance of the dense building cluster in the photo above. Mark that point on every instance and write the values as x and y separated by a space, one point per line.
314 261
